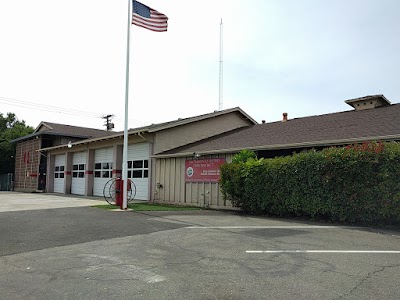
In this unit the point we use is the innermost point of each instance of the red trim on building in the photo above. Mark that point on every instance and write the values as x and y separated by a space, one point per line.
68 172
26 157
116 171
89 172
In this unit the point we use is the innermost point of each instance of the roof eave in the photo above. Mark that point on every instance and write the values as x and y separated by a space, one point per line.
203 117
88 141
285 146
41 133
40 125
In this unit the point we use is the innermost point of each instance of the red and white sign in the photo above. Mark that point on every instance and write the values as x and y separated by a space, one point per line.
203 170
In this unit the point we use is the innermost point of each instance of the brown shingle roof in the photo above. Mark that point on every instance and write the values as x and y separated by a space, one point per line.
335 128
69 130
55 129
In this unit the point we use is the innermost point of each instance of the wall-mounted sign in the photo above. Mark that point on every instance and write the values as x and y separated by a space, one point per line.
203 170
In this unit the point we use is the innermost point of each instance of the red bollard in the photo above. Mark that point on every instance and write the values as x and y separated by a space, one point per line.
119 196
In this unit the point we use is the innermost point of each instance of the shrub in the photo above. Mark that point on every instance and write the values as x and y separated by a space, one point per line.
244 156
356 183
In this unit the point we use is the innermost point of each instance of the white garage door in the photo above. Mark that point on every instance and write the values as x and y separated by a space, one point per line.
102 169
138 169
78 173
59 168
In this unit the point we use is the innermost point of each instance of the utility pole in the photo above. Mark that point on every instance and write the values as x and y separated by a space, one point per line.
108 123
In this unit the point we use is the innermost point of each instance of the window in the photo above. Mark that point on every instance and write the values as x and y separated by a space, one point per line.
103 170
59 172
78 171
138 168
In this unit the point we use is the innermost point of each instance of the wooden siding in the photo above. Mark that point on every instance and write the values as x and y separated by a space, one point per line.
182 135
170 173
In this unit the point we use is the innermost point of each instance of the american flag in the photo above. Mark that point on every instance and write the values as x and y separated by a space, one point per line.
148 18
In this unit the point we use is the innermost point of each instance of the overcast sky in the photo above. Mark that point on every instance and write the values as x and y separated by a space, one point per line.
64 61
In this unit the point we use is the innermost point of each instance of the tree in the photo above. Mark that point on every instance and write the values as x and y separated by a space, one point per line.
10 128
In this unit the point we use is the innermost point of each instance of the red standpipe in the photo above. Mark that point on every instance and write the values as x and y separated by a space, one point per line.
119 196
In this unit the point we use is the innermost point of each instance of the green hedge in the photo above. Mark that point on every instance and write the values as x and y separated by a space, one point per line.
355 184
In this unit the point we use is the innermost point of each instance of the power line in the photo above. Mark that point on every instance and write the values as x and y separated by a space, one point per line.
45 107
63 110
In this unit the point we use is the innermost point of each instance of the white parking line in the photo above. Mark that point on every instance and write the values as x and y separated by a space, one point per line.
271 227
325 251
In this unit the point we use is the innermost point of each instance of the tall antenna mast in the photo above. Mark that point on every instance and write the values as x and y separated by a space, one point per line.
220 66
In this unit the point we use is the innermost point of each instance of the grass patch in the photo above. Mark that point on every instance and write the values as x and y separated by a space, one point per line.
151 207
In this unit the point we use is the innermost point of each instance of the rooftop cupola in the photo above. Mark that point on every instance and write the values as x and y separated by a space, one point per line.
368 102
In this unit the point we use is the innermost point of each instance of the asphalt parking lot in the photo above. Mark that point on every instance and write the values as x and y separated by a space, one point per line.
70 250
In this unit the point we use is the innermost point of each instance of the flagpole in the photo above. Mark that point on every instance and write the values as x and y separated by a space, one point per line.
125 148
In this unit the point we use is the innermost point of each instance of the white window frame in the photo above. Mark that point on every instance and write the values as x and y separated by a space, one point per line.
59 172
133 167
103 170
78 170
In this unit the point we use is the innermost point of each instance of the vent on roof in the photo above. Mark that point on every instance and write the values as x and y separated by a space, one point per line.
368 102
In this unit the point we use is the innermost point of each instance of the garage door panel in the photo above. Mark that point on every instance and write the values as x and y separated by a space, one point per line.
78 173
139 151
59 169
138 169
103 167
141 188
